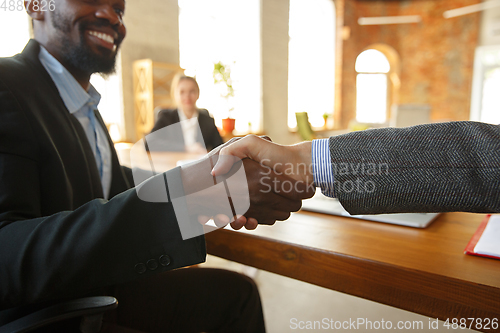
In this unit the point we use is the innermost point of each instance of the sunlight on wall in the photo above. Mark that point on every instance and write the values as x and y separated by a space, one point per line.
14 27
311 71
227 31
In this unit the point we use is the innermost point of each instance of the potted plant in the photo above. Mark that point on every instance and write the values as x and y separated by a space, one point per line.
222 77
325 119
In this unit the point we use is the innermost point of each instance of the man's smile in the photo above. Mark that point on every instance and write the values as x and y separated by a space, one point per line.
103 39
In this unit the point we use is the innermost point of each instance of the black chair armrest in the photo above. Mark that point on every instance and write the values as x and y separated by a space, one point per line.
89 307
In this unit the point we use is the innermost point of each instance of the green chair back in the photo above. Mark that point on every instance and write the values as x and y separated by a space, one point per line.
304 129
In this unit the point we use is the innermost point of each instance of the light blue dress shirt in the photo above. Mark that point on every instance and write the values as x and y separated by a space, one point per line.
322 167
79 103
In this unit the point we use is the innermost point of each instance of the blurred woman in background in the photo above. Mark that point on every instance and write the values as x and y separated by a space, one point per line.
185 93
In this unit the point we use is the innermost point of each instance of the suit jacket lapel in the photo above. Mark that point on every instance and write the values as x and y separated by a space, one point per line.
95 179
30 53
175 116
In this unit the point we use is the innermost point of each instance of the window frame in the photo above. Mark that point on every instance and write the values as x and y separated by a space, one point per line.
478 78
389 86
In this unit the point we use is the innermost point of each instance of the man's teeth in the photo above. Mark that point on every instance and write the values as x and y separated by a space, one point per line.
103 36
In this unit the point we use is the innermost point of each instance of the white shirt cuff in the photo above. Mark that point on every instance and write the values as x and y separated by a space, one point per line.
322 167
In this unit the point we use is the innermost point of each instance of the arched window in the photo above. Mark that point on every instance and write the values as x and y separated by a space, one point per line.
226 31
311 64
372 67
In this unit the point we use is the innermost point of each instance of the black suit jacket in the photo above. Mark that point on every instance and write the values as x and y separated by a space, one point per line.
58 237
210 133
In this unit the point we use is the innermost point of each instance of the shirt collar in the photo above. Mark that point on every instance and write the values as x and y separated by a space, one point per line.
72 93
182 116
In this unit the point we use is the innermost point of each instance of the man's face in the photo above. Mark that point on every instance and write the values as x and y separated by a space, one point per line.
87 33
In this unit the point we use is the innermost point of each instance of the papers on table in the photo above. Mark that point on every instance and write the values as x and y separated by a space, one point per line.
489 243
486 240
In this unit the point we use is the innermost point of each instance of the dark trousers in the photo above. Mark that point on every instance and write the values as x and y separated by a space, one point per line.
188 300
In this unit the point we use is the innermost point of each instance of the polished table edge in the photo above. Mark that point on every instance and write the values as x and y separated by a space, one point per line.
425 293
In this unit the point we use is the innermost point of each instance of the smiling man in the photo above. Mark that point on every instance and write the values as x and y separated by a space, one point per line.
83 39
70 225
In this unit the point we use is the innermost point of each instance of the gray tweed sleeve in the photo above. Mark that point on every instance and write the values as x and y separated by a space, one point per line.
440 167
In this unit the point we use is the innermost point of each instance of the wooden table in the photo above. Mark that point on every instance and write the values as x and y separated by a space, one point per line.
162 161
419 270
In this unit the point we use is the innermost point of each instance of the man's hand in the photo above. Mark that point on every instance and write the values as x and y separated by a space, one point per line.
293 161
274 193
273 196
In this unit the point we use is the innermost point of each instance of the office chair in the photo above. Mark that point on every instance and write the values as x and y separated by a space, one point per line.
91 309
304 128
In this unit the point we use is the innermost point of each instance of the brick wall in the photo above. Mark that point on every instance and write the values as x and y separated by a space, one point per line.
436 55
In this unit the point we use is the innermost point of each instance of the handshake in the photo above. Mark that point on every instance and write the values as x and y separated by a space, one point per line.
251 180
245 182
248 181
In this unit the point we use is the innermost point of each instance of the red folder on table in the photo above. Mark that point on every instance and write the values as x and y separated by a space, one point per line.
470 249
